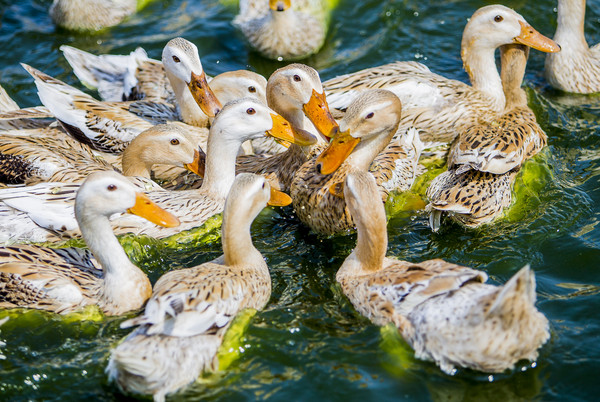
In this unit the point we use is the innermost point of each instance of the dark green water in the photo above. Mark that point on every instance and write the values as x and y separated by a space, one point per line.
309 344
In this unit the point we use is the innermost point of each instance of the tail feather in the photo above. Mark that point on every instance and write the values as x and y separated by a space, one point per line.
112 75
6 102
521 284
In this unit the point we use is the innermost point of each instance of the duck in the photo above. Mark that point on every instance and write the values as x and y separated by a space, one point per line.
445 312
296 93
92 15
284 29
67 279
441 108
508 140
576 68
50 155
190 309
365 134
44 212
484 161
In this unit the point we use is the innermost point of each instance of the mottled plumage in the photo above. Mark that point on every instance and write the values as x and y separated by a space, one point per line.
373 119
64 280
444 311
190 309
471 198
92 15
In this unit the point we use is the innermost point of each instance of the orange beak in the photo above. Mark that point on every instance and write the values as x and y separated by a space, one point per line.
280 5
198 164
279 199
532 38
336 153
204 96
283 130
317 110
147 209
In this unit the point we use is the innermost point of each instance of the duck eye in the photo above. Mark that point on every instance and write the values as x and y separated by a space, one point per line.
176 59
498 18
111 187
251 89
174 141
370 115
264 184
250 111
297 78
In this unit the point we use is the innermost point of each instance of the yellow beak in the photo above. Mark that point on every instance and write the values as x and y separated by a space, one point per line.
147 209
532 38
204 96
317 110
283 130
279 199
336 153
198 164
280 5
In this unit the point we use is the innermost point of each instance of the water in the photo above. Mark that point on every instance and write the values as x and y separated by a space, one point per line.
309 344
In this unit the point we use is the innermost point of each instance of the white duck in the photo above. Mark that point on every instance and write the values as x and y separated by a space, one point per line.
67 279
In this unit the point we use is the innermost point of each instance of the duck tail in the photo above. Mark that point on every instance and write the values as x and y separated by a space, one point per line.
520 288
112 75
6 102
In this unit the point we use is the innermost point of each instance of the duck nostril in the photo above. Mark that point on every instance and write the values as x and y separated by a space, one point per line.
280 6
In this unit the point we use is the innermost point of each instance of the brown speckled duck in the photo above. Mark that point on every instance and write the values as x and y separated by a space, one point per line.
64 280
191 309
444 311
365 133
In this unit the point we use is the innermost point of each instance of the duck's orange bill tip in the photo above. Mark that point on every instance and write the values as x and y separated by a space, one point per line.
147 209
279 199
198 164
280 5
337 189
336 153
317 110
203 95
532 38
283 130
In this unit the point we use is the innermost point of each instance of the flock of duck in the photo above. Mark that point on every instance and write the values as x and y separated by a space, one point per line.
168 147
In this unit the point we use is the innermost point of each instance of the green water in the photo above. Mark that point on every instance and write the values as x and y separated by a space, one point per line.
309 344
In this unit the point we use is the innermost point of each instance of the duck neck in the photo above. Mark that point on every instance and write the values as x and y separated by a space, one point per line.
570 25
122 279
237 242
133 163
480 64
366 151
513 60
221 154
188 108
371 242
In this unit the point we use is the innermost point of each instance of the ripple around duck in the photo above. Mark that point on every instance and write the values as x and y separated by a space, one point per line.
309 343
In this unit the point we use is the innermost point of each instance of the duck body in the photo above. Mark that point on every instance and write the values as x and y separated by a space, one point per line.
441 108
64 280
445 312
41 212
191 309
91 15
370 121
284 29
576 68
